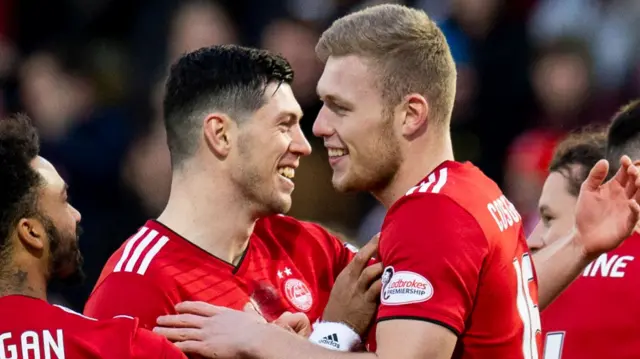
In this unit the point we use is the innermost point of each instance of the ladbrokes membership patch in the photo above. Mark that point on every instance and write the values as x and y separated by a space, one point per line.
404 287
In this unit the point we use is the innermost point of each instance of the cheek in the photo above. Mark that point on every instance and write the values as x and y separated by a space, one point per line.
560 228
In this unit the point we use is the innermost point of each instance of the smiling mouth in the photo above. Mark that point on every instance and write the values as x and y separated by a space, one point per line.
337 152
287 172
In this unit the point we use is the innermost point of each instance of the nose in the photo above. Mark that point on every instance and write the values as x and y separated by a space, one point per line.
76 214
321 126
536 238
299 144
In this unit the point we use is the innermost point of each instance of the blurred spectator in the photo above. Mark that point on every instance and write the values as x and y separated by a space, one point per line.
491 49
611 28
199 23
147 167
86 141
296 41
526 170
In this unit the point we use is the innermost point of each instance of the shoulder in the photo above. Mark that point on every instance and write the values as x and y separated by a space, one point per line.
115 323
463 190
144 253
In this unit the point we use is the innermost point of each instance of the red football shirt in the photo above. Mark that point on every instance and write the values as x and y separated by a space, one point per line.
33 328
598 315
289 265
455 254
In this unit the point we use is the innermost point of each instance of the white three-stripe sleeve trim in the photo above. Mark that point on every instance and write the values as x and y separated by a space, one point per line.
442 179
152 253
128 247
139 249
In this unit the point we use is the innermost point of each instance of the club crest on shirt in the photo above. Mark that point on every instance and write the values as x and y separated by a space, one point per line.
404 287
298 294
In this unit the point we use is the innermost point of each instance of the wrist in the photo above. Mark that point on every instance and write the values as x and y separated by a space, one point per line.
334 336
581 251
260 339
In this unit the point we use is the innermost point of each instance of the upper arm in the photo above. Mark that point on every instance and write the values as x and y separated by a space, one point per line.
433 251
411 339
132 295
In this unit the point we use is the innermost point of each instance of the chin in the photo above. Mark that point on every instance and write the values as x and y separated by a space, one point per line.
345 184
279 205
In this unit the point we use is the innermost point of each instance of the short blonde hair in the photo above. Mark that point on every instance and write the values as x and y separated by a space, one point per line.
406 46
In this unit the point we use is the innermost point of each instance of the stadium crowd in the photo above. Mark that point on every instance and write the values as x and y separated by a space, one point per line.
531 76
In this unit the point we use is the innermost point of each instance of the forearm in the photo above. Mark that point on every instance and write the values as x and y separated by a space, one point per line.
557 266
273 343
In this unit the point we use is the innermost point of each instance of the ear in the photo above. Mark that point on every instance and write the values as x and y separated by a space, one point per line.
416 113
217 128
31 233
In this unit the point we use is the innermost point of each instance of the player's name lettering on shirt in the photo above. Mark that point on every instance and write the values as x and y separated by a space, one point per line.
608 265
504 213
43 344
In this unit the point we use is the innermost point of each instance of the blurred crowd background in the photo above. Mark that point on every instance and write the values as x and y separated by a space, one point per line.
90 74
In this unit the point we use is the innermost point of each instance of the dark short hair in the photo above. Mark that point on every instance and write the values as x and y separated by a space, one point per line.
576 155
623 136
19 182
227 78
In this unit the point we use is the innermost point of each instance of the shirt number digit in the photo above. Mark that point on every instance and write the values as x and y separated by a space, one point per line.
527 308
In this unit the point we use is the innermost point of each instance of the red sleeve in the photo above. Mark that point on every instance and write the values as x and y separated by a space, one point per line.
129 294
147 345
433 251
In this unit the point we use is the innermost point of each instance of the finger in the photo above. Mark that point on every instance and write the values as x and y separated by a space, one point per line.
181 321
632 176
635 209
373 293
179 334
365 253
636 196
297 322
596 176
194 347
199 308
370 274
621 175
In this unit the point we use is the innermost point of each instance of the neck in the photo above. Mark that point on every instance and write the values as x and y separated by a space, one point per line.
420 159
209 214
16 279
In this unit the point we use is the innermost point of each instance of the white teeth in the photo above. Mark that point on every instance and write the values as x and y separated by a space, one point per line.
336 152
288 172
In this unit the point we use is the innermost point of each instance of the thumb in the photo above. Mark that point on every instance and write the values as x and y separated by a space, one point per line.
596 176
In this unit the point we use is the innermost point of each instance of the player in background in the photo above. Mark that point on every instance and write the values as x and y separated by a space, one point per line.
38 243
458 280
234 135
596 317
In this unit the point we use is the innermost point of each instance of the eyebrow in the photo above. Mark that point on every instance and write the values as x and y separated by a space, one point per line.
64 190
543 208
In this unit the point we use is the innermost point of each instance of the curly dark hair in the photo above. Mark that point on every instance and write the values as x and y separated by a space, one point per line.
227 78
19 144
623 136
577 154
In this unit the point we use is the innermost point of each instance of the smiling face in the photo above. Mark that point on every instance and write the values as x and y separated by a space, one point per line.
60 220
358 131
269 146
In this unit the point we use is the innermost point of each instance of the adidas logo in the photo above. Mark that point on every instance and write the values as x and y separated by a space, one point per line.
331 340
